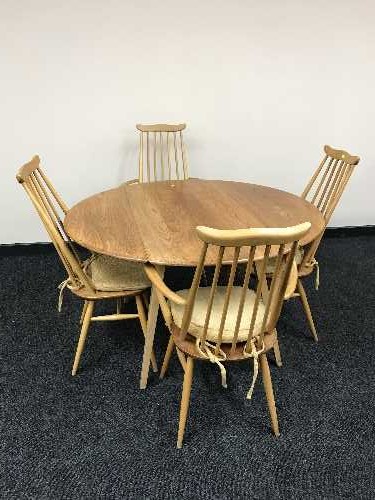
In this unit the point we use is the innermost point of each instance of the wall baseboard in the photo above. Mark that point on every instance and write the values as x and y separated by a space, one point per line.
341 232
18 249
44 248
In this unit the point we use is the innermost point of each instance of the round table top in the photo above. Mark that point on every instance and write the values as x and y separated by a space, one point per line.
155 222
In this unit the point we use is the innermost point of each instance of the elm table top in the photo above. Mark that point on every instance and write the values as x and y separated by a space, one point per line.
155 222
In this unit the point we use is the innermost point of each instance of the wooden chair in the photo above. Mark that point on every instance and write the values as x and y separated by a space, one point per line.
98 278
324 190
162 153
229 323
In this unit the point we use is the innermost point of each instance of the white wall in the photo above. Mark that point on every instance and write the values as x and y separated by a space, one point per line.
262 86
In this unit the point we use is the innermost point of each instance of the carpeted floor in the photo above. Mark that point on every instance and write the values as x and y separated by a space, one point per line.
98 436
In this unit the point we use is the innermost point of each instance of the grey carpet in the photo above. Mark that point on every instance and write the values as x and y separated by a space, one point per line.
98 436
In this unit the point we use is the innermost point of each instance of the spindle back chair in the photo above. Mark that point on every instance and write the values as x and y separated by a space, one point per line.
228 322
325 189
162 153
51 209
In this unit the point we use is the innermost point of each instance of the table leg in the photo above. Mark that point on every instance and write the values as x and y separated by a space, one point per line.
151 326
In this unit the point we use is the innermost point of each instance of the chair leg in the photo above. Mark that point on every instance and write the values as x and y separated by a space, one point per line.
145 299
181 358
167 357
277 353
83 312
150 334
267 383
307 309
83 335
118 306
185 400
143 321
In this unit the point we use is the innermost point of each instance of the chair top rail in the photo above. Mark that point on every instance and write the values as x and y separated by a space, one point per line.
26 170
340 154
252 236
161 127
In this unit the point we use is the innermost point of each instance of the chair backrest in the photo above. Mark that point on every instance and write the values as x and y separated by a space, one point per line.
327 185
51 208
267 241
162 153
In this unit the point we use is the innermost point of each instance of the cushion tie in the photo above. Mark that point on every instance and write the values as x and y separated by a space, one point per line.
68 282
65 284
315 263
253 354
86 264
206 349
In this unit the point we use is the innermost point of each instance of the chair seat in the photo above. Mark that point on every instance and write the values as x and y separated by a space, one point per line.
188 345
272 261
111 274
200 310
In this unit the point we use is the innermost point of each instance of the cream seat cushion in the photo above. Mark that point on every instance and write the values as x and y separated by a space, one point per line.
200 310
272 262
111 274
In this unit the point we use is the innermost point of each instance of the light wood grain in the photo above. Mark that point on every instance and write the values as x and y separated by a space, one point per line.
268 389
185 400
155 222
260 333
149 337
51 209
340 154
162 153
306 307
324 190
161 127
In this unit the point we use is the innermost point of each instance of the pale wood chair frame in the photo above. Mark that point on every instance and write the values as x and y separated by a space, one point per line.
162 153
285 241
324 190
49 206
